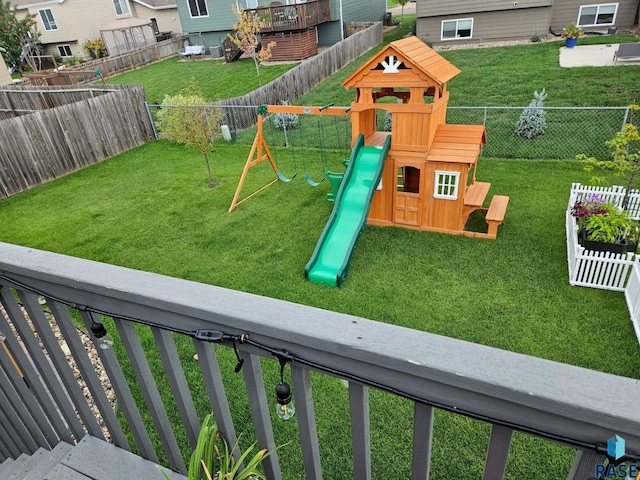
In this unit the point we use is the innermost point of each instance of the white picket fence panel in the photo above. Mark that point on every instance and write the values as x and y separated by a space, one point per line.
613 194
587 268
632 296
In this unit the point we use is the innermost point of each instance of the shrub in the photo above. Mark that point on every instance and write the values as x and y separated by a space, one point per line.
532 123
285 121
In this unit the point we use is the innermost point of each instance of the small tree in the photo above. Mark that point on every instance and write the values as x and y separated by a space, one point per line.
245 36
402 4
625 154
16 35
532 122
187 119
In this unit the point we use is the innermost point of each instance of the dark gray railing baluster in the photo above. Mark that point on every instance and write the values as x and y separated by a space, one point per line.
11 449
360 430
260 411
4 448
178 382
15 429
126 401
584 464
43 410
42 362
218 402
138 359
498 452
422 439
63 369
306 422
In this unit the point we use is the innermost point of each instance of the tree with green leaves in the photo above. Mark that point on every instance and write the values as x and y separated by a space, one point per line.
245 35
15 34
402 4
188 119
625 156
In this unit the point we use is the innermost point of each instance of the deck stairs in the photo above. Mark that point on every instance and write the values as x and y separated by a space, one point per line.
91 458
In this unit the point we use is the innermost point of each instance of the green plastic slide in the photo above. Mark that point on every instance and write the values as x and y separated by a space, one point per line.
332 255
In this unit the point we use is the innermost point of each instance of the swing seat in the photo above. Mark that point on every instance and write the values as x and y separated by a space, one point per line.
284 179
335 178
311 182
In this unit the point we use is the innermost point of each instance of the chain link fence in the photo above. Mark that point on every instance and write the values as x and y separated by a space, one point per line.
568 131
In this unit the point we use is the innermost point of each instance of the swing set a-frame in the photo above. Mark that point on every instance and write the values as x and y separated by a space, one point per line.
260 150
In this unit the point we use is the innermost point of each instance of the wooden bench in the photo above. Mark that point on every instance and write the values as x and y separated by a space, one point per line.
495 214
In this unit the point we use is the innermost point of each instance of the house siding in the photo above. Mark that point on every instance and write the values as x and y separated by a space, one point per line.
81 20
567 11
447 7
502 20
489 26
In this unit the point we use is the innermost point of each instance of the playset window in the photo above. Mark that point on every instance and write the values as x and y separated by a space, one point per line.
408 179
446 185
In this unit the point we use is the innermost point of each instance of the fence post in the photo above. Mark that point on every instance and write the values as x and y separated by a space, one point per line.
625 118
153 124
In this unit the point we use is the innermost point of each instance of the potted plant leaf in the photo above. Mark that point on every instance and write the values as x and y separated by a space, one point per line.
571 33
213 459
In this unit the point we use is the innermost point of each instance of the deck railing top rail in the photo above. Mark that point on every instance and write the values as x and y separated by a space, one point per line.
280 18
571 405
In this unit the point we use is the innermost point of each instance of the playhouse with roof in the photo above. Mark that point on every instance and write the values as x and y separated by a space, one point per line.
429 176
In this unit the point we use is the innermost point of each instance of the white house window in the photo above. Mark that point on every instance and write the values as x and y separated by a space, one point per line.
47 19
65 51
591 15
454 29
198 8
122 7
446 185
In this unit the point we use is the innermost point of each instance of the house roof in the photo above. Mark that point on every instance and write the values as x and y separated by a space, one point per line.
415 55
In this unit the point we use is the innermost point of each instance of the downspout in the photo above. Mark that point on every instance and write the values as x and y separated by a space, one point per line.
341 22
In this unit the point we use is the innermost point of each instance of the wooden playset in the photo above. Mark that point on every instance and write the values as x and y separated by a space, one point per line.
429 177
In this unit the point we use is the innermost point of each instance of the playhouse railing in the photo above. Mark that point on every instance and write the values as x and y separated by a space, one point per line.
42 403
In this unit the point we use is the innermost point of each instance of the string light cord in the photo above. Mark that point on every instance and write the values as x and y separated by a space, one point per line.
218 336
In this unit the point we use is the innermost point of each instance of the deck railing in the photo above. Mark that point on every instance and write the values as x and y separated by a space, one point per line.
286 18
41 402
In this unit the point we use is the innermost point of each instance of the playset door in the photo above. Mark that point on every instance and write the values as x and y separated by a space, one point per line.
407 197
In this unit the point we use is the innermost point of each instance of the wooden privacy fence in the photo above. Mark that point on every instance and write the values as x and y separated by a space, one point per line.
605 270
304 77
50 136
108 66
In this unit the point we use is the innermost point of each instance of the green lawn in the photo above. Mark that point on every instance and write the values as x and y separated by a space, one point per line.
150 209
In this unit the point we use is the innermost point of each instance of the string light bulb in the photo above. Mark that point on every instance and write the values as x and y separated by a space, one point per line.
103 339
285 408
